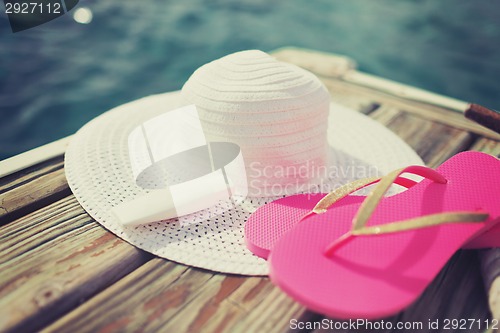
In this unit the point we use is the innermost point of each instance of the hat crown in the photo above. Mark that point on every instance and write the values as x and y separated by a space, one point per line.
276 112
254 82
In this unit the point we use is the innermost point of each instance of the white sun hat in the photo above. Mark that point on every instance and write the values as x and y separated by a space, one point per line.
250 108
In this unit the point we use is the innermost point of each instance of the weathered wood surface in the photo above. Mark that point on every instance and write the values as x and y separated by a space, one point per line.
28 190
62 272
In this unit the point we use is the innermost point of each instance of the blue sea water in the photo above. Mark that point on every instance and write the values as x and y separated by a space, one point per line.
56 77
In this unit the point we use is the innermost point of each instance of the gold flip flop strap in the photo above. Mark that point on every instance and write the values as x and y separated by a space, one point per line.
343 191
366 209
372 200
421 222
410 224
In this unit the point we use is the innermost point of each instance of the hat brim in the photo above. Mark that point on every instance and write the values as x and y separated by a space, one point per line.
98 172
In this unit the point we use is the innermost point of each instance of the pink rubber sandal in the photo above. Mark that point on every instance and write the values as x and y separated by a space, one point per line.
370 266
269 222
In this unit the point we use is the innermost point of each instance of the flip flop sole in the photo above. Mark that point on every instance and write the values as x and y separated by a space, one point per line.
369 278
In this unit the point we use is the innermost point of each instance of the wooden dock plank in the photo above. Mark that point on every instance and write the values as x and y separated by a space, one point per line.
143 300
33 194
197 314
435 143
225 303
248 304
26 234
430 112
32 159
23 176
43 278
487 146
272 314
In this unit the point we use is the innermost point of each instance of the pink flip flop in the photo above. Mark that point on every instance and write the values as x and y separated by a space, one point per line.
269 222
380 261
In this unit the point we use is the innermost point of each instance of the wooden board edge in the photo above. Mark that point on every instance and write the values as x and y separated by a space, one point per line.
33 156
